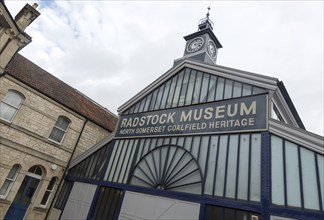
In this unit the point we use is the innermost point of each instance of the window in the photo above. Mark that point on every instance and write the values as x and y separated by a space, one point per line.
9 181
64 195
59 129
10 105
106 205
35 170
1 27
222 213
229 166
296 175
49 191
275 114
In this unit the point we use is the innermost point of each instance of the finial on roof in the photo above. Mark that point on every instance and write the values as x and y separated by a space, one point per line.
206 22
207 15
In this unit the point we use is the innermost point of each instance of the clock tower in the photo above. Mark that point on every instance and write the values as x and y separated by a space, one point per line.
202 45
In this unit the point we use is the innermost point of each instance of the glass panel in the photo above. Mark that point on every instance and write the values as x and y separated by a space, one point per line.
229 214
153 99
292 175
209 179
237 89
131 110
187 143
231 167
147 103
62 123
57 135
257 90
220 88
191 85
146 147
125 160
203 153
141 105
171 93
13 98
184 88
212 89
220 173
242 187
136 107
130 159
36 170
180 141
309 179
320 161
13 172
51 184
7 112
165 94
45 198
255 181
140 150
228 89
120 161
177 90
113 160
90 165
106 204
195 147
159 98
6 185
247 90
64 195
204 88
277 175
196 92
241 215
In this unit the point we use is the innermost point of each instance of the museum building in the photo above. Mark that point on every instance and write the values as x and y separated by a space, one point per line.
204 142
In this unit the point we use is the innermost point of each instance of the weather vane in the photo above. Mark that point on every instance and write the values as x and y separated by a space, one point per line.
208 12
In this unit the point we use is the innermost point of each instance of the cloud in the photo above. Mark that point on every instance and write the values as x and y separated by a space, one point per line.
103 47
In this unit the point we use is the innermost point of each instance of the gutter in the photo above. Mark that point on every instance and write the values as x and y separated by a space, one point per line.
66 169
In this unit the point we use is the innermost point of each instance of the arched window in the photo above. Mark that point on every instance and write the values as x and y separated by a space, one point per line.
48 192
35 170
10 105
12 175
59 129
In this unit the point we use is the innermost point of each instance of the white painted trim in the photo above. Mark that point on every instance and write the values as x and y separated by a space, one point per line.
299 136
283 108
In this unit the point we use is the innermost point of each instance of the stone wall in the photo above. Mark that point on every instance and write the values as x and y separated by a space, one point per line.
24 141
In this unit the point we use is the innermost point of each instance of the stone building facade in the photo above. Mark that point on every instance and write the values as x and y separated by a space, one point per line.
44 123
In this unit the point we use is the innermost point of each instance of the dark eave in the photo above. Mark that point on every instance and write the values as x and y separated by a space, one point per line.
290 104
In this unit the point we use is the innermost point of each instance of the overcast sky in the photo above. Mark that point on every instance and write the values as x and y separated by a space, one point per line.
110 50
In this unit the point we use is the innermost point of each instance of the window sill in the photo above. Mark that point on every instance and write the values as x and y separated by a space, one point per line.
40 209
4 201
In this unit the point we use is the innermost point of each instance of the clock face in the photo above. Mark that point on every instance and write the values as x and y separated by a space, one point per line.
195 44
211 49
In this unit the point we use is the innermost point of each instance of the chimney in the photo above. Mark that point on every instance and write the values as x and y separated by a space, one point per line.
26 16
13 36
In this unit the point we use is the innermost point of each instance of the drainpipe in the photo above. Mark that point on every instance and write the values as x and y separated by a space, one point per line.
65 171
